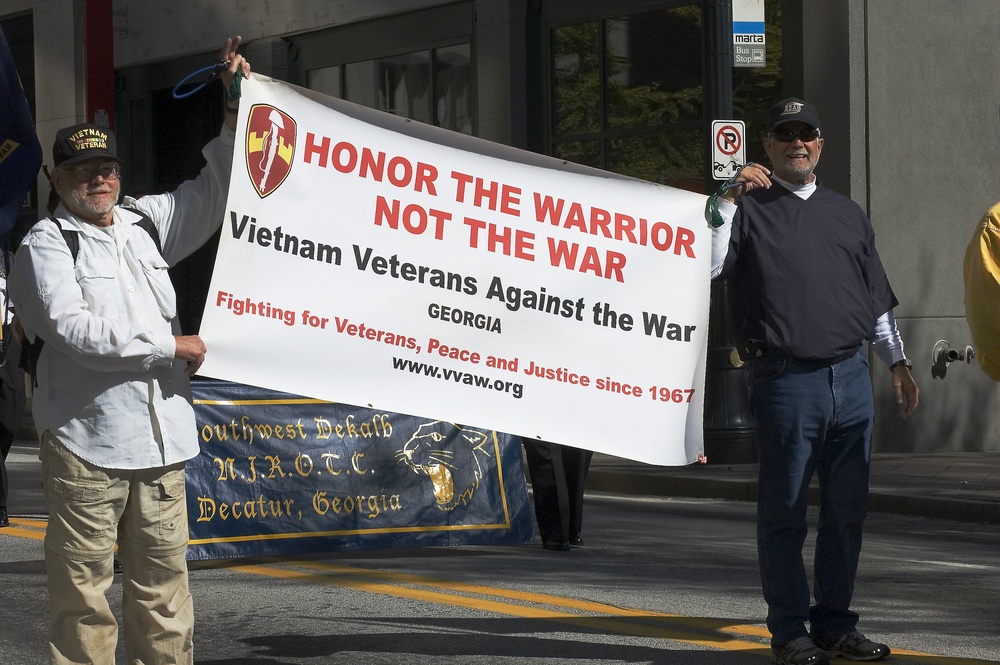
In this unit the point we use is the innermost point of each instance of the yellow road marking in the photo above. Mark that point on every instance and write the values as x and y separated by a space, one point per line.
346 577
25 528
543 599
698 631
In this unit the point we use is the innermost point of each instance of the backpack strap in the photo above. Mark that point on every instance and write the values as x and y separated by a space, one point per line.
145 222
30 351
72 239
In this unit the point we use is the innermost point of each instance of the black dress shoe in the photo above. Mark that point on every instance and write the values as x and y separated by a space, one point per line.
559 544
853 646
575 540
4 518
800 651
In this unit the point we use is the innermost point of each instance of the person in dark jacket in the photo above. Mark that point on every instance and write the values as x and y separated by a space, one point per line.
810 292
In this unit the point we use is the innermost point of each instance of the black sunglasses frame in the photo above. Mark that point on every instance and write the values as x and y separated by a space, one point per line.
789 135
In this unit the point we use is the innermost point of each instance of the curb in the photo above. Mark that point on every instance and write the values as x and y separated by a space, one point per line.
879 500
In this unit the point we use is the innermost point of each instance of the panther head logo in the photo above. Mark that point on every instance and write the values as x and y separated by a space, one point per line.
449 456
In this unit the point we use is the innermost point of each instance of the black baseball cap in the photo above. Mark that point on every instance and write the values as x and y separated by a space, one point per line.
792 110
81 142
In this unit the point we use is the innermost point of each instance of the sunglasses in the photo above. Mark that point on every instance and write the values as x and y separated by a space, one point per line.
789 135
86 172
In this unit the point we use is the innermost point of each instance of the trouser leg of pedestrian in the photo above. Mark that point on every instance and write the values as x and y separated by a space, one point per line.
548 488
84 503
843 471
12 397
576 462
156 603
6 441
91 508
791 405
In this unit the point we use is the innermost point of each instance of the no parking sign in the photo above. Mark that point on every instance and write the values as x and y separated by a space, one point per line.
728 148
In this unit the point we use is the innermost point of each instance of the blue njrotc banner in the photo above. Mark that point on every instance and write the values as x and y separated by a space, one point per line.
280 474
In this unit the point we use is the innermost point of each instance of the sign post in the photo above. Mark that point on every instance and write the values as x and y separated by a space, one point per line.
728 424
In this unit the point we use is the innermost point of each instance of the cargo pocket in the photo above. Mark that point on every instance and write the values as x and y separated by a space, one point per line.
158 278
173 506
96 277
81 520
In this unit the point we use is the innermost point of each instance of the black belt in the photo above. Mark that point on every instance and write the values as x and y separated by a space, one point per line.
748 350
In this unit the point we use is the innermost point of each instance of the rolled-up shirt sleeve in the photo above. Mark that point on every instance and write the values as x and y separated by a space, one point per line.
886 341
721 236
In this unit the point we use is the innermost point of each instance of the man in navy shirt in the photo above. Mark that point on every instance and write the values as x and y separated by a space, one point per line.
810 290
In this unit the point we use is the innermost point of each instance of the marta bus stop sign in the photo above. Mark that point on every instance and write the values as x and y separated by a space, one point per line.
728 148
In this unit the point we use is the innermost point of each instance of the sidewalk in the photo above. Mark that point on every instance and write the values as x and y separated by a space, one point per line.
955 485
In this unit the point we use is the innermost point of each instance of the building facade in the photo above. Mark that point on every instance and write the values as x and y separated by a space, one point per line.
630 86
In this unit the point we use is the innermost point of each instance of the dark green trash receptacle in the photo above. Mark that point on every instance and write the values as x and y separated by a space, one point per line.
728 423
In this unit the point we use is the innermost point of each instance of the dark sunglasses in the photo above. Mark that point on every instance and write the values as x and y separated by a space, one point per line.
789 135
86 172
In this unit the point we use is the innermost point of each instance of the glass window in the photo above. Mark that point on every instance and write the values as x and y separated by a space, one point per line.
654 67
398 84
453 88
669 158
628 93
626 89
325 80
576 73
402 85
416 64
587 153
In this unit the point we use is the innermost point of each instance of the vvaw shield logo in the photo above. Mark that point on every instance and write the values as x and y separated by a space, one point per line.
270 147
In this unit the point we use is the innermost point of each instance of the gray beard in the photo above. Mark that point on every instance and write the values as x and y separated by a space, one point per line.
804 174
81 202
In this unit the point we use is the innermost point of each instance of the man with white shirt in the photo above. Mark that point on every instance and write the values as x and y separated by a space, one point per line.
809 290
112 397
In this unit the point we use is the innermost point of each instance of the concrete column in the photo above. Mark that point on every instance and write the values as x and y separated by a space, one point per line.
493 69
827 77
60 94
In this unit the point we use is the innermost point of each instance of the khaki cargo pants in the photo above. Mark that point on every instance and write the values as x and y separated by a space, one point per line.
145 512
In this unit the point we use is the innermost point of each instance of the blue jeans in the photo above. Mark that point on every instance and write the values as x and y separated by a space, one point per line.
810 417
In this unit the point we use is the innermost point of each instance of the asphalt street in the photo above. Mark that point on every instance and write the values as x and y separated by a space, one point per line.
662 579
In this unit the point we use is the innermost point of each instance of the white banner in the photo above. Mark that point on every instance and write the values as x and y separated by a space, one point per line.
374 261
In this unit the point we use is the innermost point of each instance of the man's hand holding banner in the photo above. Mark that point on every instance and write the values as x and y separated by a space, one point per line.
370 260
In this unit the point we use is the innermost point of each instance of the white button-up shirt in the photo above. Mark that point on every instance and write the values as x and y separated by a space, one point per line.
108 385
